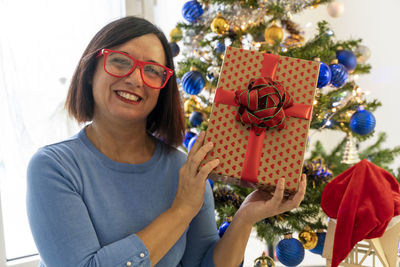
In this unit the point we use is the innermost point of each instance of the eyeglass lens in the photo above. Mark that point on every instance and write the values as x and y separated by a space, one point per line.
119 65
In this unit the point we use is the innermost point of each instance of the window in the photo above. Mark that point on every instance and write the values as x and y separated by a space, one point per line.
40 45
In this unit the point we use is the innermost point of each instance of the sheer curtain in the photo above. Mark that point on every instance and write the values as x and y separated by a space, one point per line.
40 44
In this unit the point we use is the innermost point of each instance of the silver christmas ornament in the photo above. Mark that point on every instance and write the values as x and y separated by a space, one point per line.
350 155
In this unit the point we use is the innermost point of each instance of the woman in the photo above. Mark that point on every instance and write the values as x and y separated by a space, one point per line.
118 193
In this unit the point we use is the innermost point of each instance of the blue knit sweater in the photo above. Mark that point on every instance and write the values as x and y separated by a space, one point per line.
84 208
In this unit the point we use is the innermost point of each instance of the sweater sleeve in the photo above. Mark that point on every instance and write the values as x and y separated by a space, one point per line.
61 225
202 235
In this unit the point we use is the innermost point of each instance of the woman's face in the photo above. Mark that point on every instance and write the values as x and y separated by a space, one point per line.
127 99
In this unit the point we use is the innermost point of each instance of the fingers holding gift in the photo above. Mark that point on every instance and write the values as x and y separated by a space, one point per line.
278 194
278 204
197 156
298 197
192 179
196 146
205 170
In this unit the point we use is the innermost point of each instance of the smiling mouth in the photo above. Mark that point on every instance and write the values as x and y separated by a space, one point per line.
128 96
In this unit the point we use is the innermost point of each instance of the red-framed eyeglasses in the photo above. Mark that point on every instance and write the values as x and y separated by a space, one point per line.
119 64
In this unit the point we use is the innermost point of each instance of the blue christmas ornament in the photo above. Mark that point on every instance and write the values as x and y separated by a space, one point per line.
174 49
347 59
324 76
362 122
193 82
223 228
196 118
191 142
339 75
188 136
290 251
192 11
211 183
320 245
398 247
220 48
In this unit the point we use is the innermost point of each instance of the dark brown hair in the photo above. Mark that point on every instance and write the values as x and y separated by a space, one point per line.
166 121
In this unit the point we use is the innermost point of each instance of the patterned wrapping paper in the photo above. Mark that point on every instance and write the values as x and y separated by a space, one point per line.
281 151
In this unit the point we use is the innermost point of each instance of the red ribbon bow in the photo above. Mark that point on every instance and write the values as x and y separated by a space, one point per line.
262 104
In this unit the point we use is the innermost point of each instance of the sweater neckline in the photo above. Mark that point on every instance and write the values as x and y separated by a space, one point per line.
118 166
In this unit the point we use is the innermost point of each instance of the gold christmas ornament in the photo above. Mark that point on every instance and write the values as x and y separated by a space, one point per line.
273 35
290 26
264 261
315 4
308 238
191 105
294 40
175 35
219 25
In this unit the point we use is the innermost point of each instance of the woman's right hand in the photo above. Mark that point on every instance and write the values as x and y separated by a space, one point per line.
192 178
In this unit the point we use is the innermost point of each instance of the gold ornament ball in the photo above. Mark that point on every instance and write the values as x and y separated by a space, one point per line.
315 4
308 238
191 105
294 40
175 35
264 261
219 25
273 34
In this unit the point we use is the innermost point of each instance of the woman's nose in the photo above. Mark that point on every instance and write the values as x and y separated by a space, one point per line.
135 77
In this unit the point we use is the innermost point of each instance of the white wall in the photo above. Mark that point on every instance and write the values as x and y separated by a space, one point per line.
372 21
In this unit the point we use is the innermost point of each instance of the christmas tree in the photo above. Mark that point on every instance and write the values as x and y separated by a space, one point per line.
199 42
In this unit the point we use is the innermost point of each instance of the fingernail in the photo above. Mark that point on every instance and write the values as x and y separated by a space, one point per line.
210 144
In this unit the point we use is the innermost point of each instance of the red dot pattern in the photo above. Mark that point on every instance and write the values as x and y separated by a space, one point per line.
283 150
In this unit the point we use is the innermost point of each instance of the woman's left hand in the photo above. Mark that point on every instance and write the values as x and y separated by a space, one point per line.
260 205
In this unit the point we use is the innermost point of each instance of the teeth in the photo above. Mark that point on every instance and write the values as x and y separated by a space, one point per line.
128 96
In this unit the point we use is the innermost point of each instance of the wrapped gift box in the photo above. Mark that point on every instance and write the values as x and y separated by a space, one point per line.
257 155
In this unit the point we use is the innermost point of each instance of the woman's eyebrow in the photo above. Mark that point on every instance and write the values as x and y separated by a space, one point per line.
151 60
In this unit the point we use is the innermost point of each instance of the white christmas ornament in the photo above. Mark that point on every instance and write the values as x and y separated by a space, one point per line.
363 53
335 9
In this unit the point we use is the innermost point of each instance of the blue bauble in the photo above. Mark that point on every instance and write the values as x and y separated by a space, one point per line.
191 142
223 228
339 74
362 122
220 48
290 252
191 11
188 136
193 82
320 244
196 118
174 49
324 76
211 183
347 59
